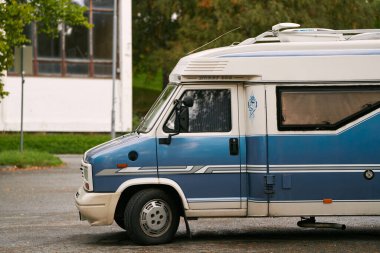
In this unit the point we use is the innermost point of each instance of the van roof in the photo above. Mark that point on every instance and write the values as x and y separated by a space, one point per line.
290 32
289 53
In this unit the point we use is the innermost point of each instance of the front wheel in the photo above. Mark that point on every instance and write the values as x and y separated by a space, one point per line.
151 217
120 222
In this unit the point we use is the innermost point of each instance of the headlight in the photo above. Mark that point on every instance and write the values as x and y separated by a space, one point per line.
86 170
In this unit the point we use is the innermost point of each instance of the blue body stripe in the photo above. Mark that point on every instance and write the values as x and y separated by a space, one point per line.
256 150
196 151
305 53
357 145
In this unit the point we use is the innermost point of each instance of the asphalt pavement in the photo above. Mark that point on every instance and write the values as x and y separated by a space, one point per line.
37 214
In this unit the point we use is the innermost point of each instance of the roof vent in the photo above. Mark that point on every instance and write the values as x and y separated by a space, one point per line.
310 34
289 32
206 66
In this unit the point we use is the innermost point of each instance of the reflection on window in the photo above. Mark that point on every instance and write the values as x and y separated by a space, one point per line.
77 43
211 112
103 69
77 68
49 68
103 23
48 47
321 108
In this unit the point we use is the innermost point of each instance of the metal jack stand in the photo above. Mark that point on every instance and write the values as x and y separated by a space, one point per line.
311 223
188 232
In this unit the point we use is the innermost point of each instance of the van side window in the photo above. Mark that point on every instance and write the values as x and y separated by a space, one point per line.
211 112
324 108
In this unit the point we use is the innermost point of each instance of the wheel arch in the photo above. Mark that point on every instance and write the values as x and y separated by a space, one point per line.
130 187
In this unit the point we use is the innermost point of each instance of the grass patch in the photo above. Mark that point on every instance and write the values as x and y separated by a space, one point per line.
53 143
28 158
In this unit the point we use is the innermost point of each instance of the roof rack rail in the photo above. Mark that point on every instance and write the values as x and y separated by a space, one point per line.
289 32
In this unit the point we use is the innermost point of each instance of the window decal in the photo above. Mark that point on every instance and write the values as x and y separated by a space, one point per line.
252 106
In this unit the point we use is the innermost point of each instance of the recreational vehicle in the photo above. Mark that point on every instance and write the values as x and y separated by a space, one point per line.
282 125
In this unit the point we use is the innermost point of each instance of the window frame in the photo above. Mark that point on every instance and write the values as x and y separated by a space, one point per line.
63 60
321 127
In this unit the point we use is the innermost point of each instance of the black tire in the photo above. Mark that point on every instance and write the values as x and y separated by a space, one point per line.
120 221
151 217
119 213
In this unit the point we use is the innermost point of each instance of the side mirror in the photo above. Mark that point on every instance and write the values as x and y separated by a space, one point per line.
181 123
188 101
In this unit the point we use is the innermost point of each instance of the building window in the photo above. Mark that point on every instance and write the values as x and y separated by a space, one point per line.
77 51
211 112
324 107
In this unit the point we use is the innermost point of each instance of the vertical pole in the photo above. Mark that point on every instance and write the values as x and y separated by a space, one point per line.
22 101
113 135
63 51
125 61
91 40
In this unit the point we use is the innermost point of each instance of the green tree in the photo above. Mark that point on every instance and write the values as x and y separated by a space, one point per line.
159 44
212 18
154 25
15 15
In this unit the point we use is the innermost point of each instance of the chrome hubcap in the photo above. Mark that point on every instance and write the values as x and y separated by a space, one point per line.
155 218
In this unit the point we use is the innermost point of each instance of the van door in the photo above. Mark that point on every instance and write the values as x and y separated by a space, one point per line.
204 158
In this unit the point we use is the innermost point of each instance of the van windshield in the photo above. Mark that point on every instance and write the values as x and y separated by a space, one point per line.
156 110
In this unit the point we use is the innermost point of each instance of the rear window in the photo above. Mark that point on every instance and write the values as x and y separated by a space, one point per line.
324 108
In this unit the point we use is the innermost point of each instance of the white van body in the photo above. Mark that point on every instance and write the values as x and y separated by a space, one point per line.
288 127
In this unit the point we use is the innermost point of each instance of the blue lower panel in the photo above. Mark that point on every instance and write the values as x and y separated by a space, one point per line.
358 145
256 185
316 186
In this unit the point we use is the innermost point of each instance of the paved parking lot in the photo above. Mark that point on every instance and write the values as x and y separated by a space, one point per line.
37 214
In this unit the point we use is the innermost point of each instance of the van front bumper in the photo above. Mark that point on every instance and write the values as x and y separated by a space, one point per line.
97 208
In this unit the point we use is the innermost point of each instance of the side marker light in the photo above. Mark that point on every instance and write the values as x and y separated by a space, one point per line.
327 201
122 165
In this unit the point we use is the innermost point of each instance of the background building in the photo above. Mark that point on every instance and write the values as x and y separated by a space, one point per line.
68 79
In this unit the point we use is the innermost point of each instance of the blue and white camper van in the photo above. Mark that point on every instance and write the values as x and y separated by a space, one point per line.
284 124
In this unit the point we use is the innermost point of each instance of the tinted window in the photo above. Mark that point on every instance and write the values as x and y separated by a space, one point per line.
321 108
102 39
211 111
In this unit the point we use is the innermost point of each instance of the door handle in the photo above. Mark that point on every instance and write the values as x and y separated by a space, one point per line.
234 146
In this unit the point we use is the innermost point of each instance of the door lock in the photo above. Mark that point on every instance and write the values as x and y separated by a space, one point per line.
234 146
